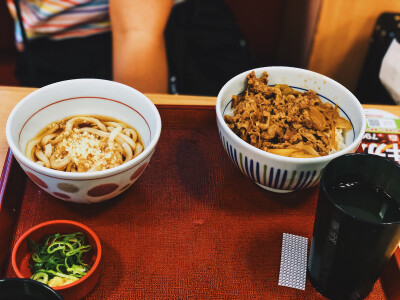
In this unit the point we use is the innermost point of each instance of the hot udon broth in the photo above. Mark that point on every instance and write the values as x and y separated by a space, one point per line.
84 144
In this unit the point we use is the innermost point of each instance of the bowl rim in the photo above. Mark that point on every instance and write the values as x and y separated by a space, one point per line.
363 157
23 237
267 155
34 282
84 175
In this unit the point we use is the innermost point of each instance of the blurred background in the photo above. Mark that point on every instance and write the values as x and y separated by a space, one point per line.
344 40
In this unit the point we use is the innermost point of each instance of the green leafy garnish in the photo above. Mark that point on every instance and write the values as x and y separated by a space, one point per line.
58 259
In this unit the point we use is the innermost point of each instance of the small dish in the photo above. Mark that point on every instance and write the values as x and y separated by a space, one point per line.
76 290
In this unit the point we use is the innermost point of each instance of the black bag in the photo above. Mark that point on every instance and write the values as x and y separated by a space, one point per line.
205 48
370 89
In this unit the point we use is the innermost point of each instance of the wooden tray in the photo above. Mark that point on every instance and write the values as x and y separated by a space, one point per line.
191 227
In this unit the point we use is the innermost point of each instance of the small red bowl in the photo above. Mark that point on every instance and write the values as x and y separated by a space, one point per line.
76 290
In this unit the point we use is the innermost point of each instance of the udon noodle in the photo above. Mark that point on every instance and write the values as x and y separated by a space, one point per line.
84 144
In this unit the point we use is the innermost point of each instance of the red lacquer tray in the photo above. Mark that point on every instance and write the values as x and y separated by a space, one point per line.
192 226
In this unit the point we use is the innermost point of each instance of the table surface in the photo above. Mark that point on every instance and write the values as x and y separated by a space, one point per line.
10 96
232 223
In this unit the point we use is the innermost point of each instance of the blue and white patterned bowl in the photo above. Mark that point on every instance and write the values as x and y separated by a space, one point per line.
278 173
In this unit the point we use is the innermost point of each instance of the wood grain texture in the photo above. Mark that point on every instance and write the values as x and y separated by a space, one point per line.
341 37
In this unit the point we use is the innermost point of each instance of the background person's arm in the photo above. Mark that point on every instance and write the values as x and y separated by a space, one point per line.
139 55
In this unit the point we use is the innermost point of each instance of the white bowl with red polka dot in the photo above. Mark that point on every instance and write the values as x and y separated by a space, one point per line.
83 97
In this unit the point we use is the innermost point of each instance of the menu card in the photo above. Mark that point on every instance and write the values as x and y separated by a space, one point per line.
382 136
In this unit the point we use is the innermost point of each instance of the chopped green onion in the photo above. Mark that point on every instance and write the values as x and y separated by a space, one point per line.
41 277
60 255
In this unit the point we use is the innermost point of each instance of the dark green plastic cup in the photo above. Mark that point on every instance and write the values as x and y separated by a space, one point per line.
357 225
